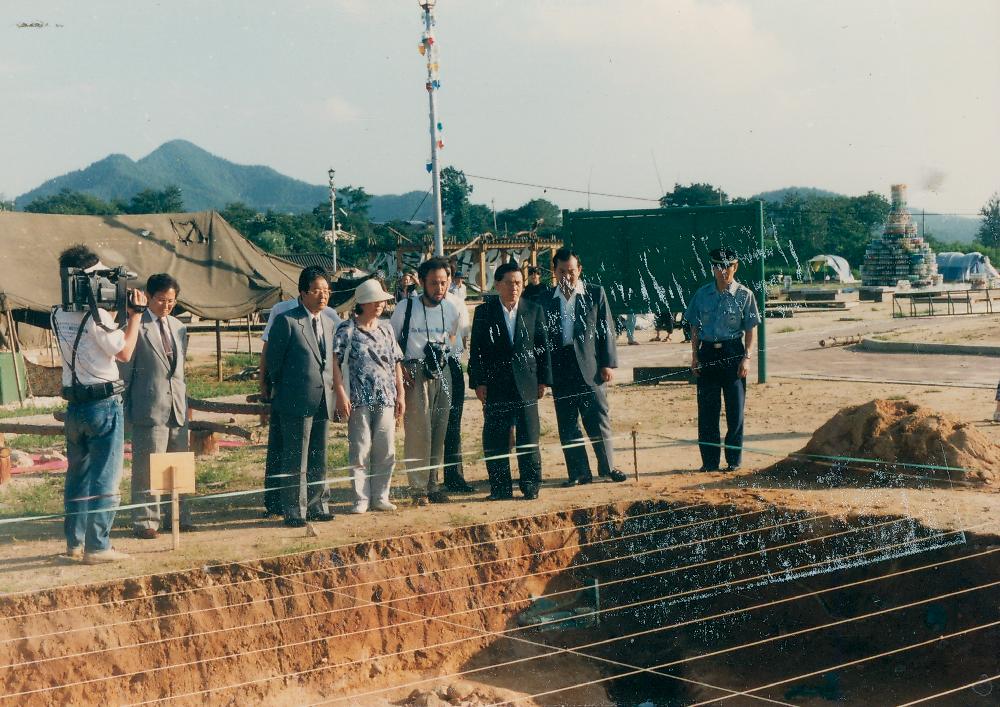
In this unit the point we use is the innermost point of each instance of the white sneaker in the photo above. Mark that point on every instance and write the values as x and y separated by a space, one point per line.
358 509
383 506
102 556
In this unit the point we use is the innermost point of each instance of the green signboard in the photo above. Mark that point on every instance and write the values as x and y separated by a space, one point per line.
653 260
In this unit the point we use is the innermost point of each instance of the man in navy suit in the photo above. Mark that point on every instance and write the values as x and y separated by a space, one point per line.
582 335
509 370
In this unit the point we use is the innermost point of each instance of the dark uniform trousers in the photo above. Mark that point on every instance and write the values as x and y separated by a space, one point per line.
719 373
575 400
274 480
498 417
454 474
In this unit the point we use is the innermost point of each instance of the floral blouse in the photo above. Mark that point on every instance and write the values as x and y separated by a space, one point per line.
371 364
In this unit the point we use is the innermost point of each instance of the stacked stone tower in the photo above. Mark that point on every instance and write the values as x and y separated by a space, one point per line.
899 253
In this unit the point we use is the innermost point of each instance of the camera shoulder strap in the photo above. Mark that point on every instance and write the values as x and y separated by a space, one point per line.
404 337
76 344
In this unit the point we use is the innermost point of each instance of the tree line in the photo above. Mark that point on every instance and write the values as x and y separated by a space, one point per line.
811 223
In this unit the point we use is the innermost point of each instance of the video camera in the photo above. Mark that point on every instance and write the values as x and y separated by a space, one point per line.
97 289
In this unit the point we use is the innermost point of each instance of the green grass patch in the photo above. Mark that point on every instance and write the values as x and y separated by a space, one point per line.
31 410
787 329
240 360
35 443
32 497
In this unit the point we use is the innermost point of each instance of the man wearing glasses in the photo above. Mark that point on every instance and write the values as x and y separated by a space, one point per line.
723 315
300 370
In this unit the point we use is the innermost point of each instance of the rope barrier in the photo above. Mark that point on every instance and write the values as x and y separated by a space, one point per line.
367 563
315 640
960 688
769 577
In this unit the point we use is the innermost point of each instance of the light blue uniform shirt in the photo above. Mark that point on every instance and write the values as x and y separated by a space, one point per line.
721 316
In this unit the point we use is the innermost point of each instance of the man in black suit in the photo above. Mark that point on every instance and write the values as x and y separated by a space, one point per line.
509 370
582 335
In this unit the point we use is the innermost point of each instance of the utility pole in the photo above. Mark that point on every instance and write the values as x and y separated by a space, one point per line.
333 217
428 48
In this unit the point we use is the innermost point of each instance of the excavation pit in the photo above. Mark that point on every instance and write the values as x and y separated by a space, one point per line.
640 602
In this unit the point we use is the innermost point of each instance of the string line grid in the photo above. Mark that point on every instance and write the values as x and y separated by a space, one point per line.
277 576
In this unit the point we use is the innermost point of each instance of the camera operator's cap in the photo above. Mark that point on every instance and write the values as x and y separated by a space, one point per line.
723 256
460 274
371 291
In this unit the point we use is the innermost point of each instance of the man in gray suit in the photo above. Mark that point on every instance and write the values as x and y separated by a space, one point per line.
156 400
300 364
582 336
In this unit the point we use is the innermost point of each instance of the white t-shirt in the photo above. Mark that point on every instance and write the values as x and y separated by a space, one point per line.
95 354
464 325
441 325
290 304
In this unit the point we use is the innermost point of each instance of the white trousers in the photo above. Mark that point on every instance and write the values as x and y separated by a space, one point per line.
371 439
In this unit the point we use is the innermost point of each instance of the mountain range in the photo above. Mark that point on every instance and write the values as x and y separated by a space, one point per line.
210 182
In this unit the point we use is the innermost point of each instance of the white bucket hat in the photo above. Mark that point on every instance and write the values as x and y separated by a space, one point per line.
371 291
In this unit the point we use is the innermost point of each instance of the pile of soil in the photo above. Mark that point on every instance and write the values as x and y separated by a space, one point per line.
904 438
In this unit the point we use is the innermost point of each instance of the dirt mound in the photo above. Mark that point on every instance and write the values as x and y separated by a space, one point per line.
903 439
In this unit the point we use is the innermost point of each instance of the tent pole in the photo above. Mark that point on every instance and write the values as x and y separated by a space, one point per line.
218 349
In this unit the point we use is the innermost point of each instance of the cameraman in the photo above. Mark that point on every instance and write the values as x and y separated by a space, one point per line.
94 419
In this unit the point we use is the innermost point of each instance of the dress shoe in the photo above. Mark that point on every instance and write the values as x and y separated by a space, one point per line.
319 517
499 497
295 522
530 495
438 497
615 475
578 482
733 467
145 533
461 487
270 514
706 467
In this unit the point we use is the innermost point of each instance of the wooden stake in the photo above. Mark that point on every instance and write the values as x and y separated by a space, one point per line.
175 509
635 450
218 349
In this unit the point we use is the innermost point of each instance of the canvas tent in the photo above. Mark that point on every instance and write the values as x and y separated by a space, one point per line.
222 275
965 267
841 271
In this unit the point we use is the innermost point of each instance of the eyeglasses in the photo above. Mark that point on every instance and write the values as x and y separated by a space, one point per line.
316 293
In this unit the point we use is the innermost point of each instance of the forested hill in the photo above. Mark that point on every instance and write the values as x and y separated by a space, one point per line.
210 182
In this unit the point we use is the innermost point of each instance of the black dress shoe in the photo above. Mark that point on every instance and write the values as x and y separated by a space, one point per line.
499 497
461 487
733 467
319 517
270 514
438 497
705 467
295 522
615 476
530 495
578 482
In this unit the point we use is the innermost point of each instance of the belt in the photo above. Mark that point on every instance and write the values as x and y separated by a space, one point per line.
718 344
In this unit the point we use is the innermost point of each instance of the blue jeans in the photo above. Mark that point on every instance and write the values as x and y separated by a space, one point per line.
95 450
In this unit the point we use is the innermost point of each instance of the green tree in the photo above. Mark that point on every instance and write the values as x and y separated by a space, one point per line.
989 231
694 195
243 218
455 191
68 201
5 203
526 216
153 201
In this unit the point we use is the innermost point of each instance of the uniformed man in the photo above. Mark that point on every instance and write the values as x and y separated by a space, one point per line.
723 315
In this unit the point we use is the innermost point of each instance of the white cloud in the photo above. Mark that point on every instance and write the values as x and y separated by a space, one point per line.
341 110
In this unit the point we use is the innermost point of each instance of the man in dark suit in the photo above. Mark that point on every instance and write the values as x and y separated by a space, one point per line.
300 366
509 370
156 400
582 335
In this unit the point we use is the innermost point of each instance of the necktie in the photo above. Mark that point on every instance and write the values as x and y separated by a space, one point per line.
168 347
318 330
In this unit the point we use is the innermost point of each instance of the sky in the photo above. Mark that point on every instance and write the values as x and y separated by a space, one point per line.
625 97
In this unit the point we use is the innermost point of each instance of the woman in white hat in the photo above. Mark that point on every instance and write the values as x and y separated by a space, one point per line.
369 387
